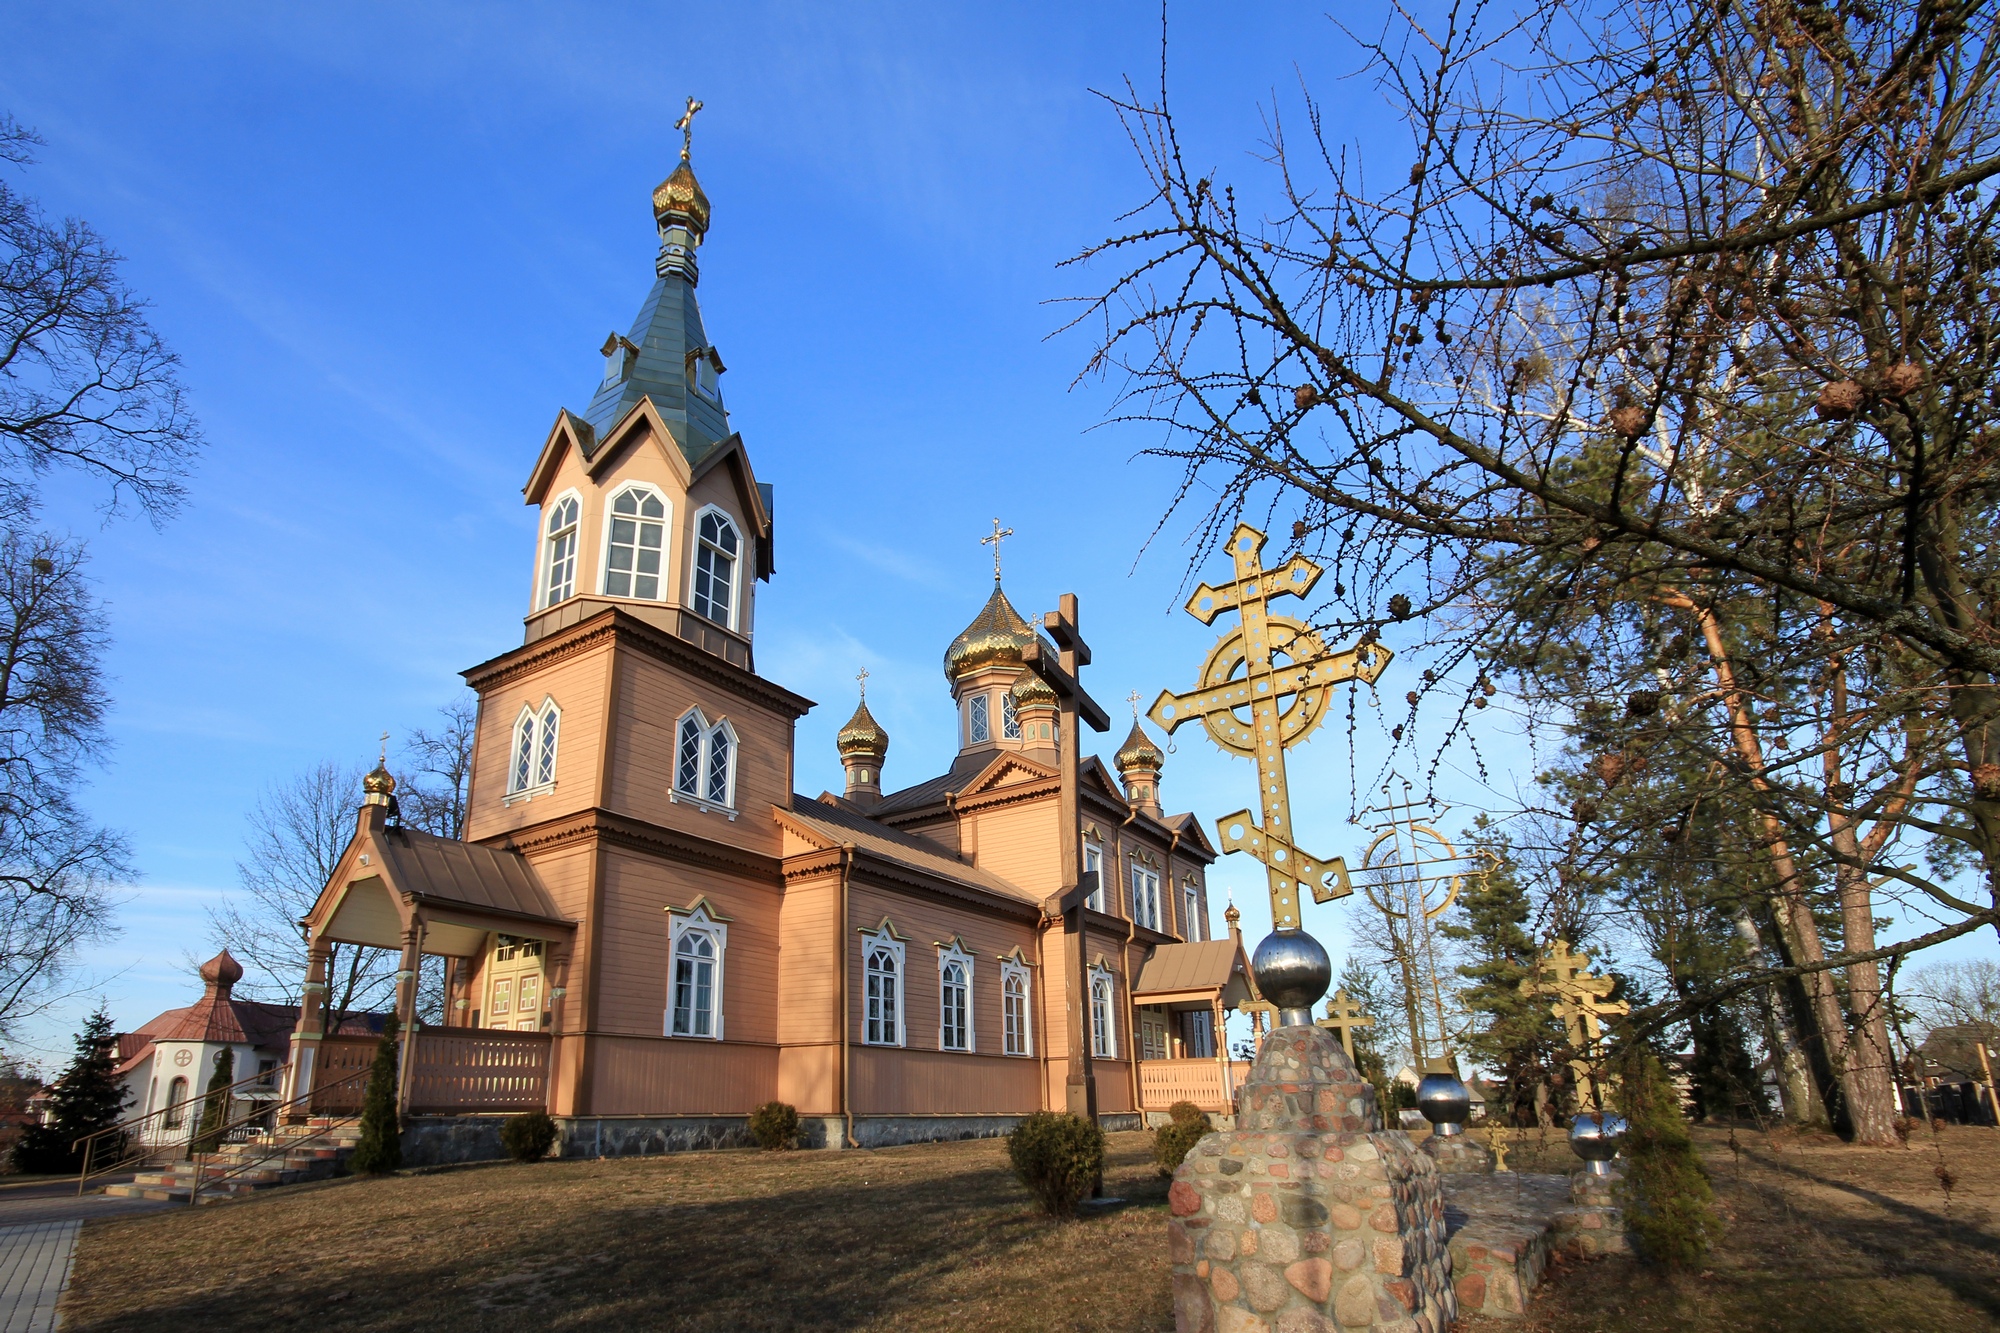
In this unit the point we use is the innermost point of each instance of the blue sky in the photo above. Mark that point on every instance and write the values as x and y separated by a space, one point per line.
387 242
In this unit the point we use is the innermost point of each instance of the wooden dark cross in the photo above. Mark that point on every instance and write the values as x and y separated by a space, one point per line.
1343 1016
1061 670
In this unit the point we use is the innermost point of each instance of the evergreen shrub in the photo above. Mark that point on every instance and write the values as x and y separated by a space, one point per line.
1173 1141
528 1138
215 1106
775 1126
1058 1157
380 1150
1180 1111
1668 1204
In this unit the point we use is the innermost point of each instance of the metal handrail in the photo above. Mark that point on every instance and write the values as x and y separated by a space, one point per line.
194 1191
125 1129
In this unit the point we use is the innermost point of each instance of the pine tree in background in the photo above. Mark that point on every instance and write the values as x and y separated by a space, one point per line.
380 1150
88 1097
215 1107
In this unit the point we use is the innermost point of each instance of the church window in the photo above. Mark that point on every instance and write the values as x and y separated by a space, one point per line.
1014 1009
884 967
954 999
1145 896
976 729
715 568
699 942
560 584
1103 1027
1093 864
705 762
1010 718
534 766
1191 922
635 544
177 1092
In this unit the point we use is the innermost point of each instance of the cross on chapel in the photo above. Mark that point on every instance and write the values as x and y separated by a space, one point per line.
1000 534
686 126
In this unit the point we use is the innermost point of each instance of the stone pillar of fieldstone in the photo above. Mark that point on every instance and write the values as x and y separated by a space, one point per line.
1308 1217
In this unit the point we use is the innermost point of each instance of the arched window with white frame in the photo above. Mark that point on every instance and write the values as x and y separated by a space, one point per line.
955 1017
882 989
1103 1015
717 552
977 731
635 544
705 762
559 549
1093 864
1145 895
533 765
1016 1029
698 941
1010 717
1193 928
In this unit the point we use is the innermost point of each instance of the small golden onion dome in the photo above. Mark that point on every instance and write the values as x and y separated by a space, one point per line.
681 193
1231 915
863 735
995 637
1138 751
1031 691
379 782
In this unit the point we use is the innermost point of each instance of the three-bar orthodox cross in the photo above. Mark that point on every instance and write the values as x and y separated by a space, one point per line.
686 126
1279 671
1343 1016
1580 1002
1000 534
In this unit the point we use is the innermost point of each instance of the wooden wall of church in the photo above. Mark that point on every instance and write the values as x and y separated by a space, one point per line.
890 1082
1020 843
669 1076
579 686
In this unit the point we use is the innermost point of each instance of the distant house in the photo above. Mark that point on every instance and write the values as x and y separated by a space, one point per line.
166 1063
1954 1081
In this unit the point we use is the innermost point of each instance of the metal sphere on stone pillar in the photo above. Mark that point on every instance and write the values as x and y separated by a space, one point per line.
1292 971
1445 1101
1595 1136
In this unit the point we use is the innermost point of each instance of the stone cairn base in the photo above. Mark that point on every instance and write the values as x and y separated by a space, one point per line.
1308 1217
1458 1155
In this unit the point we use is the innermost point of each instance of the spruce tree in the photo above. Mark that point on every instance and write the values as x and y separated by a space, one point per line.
380 1150
215 1107
87 1098
1668 1203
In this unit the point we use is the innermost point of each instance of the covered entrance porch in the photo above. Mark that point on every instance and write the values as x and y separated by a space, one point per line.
1180 1003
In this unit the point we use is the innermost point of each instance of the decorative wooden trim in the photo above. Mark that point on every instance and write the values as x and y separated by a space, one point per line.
612 829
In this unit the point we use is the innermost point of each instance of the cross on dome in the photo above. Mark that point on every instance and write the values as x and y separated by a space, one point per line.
1000 534
686 126
861 678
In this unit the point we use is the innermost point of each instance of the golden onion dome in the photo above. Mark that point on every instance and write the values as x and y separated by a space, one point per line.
1031 691
995 637
863 735
1138 751
681 193
379 782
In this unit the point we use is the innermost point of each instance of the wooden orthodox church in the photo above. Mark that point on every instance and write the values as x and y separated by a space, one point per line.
649 933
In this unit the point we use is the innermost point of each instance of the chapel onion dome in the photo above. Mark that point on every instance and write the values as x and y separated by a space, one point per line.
680 194
995 637
863 735
221 972
1031 691
1138 751
379 782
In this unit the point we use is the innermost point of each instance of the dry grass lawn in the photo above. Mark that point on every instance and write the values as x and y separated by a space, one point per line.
938 1237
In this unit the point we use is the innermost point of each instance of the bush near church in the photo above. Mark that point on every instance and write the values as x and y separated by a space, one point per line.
1173 1141
1059 1157
380 1150
1669 1207
528 1138
775 1126
1180 1111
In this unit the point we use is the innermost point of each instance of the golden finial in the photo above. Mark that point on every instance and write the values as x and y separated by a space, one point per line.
686 126
861 678
1000 534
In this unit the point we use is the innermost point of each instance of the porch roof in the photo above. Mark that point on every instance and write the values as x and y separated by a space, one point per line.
1201 969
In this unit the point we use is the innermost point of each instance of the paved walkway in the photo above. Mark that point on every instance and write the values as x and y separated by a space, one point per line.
38 1226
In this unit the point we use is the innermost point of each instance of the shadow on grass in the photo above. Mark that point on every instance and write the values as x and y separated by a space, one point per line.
826 1256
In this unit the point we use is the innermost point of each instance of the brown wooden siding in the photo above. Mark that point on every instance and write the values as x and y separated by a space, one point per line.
913 1082
578 685
679 1076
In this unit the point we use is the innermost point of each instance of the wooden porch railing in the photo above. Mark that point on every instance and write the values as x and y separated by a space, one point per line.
458 1070
335 1090
1164 1082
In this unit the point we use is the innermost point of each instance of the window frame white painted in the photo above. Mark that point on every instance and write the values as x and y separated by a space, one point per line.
1013 973
1093 850
604 570
978 719
707 732
884 939
951 955
1194 928
1139 870
1104 1036
526 747
545 540
1010 717
735 619
683 923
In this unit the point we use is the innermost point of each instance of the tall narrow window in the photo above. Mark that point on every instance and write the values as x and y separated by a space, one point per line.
884 967
705 762
1192 926
1093 863
715 568
1014 1009
635 545
561 561
976 729
687 773
534 764
1145 896
1103 1034
1010 718
953 1006
699 941
177 1095
721 754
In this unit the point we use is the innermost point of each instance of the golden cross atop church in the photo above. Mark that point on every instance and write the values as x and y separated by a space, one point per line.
649 933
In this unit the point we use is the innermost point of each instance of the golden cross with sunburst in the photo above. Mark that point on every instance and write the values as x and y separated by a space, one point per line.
1000 534
686 126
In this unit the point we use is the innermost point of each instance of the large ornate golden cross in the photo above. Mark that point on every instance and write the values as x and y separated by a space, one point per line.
1343 1016
1278 669
1580 1002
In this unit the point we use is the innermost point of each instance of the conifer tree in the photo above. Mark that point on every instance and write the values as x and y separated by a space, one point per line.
380 1150
215 1106
1668 1203
87 1098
